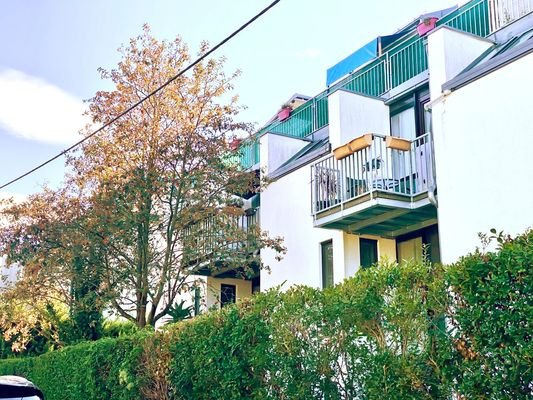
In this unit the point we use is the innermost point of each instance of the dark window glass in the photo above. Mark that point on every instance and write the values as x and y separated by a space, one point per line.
327 264
368 250
423 123
228 294
256 285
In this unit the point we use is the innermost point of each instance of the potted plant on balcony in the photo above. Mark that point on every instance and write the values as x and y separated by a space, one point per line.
235 143
284 112
426 25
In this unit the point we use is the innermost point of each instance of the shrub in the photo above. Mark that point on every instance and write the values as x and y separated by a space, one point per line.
114 329
492 317
104 369
410 331
370 337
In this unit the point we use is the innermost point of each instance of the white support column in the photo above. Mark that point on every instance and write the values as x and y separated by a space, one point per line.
449 52
352 115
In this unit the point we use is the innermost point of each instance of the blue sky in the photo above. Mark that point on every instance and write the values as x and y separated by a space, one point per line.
51 49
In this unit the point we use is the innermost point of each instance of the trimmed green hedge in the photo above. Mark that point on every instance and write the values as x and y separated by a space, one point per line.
413 331
104 369
369 337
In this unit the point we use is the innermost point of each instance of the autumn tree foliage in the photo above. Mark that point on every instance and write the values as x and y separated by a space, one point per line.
56 261
148 196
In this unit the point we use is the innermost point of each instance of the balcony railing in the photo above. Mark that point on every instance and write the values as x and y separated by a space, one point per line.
473 17
248 153
304 120
218 235
504 12
380 167
399 63
402 61
407 58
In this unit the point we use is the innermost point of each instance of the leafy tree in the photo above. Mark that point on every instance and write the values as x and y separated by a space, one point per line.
59 271
149 201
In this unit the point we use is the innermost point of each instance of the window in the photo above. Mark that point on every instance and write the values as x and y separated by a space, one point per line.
410 120
368 252
256 285
408 116
197 300
327 263
423 116
228 294
403 124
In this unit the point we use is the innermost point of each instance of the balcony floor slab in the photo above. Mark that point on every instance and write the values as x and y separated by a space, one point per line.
380 213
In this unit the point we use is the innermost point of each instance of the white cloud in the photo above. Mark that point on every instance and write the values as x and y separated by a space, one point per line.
309 53
37 110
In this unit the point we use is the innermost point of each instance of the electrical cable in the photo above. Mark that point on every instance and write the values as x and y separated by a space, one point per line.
130 108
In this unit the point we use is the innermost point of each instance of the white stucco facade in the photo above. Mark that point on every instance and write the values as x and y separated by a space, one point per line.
352 115
478 176
450 52
483 150
286 212
276 149
213 287
482 139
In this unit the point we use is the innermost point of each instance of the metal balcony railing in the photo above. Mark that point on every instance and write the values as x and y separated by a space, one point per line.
377 168
304 120
248 153
218 234
504 12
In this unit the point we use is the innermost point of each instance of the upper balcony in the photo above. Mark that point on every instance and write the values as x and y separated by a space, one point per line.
398 65
378 185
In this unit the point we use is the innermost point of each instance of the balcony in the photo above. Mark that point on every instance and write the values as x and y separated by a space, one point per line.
397 64
383 188
211 242
503 12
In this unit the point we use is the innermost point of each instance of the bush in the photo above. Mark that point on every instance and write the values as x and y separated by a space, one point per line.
104 369
492 321
371 337
413 331
114 329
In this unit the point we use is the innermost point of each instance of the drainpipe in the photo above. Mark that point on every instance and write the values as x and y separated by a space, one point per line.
432 189
432 195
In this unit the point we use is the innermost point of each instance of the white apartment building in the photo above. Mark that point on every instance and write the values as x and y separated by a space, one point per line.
422 139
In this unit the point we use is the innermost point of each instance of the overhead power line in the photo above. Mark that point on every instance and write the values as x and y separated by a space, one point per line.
130 108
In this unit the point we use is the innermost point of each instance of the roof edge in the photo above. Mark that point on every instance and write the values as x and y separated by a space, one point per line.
489 66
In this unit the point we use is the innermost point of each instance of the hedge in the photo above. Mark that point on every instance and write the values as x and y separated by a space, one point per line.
104 369
492 321
410 331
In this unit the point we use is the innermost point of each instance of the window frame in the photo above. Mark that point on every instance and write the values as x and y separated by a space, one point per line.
223 296
416 100
374 244
327 281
